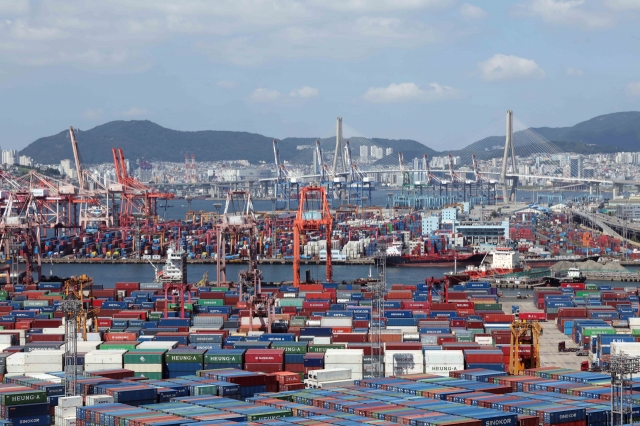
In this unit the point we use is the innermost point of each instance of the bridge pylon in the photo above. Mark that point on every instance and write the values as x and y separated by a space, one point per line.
510 184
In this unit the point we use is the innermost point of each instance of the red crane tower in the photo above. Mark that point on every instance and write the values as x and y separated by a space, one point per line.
135 196
313 214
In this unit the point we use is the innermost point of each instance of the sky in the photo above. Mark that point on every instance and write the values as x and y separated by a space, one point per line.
442 72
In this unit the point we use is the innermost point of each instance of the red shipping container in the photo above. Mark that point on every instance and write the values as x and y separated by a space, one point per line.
47 323
264 356
296 386
533 316
128 286
105 322
118 337
263 367
400 346
287 377
316 305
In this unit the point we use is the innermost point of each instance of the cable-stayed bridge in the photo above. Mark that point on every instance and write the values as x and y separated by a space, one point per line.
353 166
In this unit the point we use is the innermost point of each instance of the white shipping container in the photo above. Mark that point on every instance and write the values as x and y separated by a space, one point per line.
442 369
634 321
69 401
484 340
330 374
343 356
157 345
69 421
63 412
443 357
403 362
313 384
336 322
321 340
144 368
403 328
105 357
619 348
98 399
90 368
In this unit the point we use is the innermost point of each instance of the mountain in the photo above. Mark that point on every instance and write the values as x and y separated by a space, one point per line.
606 133
149 140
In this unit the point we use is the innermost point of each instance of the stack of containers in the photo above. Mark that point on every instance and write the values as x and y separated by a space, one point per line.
294 353
224 358
24 406
440 362
147 363
402 358
264 360
103 360
65 411
38 361
184 362
487 359
351 359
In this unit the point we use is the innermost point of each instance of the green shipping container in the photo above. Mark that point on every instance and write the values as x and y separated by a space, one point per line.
595 331
150 376
291 301
213 302
291 347
118 346
177 356
24 397
223 359
4 295
323 348
144 356
154 316
488 306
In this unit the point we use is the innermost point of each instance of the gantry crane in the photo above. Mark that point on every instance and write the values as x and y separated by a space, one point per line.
80 288
524 333
136 198
238 220
313 214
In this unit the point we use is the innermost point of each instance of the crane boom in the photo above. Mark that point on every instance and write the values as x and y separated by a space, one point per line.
76 156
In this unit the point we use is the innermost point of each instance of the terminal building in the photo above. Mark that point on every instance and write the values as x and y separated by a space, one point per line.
482 232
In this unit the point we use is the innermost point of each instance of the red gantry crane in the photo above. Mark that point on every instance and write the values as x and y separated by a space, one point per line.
135 196
313 214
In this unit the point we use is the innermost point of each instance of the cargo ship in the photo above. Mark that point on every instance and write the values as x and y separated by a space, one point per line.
504 260
540 262
443 258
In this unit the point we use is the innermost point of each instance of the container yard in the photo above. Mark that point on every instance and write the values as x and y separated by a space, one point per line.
322 355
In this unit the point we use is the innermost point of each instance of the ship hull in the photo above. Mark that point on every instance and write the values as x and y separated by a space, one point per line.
473 259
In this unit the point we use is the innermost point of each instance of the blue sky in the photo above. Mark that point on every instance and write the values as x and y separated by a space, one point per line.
442 72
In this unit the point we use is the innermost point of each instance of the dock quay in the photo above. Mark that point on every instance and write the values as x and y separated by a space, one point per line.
90 261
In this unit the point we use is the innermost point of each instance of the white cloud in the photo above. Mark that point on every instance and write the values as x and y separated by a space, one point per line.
567 12
92 114
122 35
411 92
264 95
623 5
135 112
505 67
574 72
382 5
225 84
305 92
633 89
471 12
13 7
